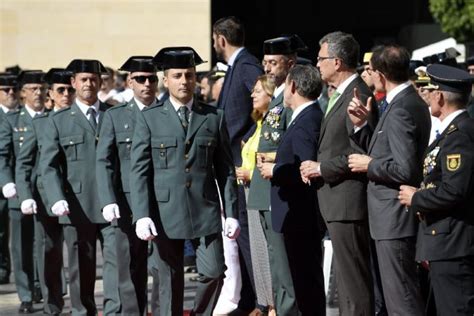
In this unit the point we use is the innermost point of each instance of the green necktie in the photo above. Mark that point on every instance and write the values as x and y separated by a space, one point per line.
183 114
332 101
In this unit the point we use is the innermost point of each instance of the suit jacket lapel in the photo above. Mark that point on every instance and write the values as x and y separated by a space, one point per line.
80 119
227 80
197 119
293 123
168 110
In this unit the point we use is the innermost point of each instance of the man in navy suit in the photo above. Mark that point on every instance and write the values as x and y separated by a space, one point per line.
228 36
294 203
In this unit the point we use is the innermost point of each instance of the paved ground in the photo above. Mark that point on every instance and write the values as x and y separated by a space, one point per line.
9 302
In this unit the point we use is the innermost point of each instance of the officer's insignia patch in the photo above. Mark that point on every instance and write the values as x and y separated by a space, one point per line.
453 162
452 128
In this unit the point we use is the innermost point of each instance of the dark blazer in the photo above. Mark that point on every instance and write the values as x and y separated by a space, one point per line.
67 164
14 128
113 157
342 193
397 148
294 205
184 169
235 99
446 197
274 126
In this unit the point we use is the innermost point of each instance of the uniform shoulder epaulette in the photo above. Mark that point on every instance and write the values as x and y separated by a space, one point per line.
58 112
42 115
118 106
451 128
13 112
207 107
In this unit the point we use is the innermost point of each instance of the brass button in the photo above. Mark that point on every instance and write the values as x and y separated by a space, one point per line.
71 142
162 145
127 139
188 184
433 232
186 156
186 170
188 143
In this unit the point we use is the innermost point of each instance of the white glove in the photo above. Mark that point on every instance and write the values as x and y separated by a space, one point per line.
145 229
231 228
60 208
29 207
111 212
9 190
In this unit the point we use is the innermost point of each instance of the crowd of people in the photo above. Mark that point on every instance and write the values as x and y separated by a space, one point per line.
254 163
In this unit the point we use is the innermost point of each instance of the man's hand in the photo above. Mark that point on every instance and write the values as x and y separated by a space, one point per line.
266 157
231 228
29 207
9 190
111 212
359 163
60 208
406 194
309 170
266 169
145 229
357 111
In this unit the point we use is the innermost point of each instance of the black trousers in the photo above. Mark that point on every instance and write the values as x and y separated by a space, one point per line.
400 282
5 265
210 266
453 286
351 243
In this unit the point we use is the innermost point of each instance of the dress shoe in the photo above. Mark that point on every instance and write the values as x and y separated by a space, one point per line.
37 295
26 308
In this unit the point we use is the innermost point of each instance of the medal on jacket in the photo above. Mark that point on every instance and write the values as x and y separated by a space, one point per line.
430 161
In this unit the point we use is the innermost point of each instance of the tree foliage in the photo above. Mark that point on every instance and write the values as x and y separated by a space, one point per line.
456 18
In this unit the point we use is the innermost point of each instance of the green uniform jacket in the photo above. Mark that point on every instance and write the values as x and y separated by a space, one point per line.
274 125
113 156
28 178
16 126
184 169
67 165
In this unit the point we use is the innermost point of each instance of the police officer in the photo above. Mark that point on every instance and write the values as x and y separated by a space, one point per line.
48 231
113 171
444 201
8 102
67 165
13 131
183 146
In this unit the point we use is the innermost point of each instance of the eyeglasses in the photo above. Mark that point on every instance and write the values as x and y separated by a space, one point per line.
8 89
320 58
369 70
143 79
61 90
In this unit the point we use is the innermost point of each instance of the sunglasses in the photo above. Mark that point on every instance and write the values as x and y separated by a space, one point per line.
142 79
61 90
7 89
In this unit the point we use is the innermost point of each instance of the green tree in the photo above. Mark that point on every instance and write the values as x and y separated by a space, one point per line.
456 18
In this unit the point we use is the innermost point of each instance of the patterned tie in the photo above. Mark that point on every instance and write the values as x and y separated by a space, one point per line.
383 106
92 121
332 101
183 114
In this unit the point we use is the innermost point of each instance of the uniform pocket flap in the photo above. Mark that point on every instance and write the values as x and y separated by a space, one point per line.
206 141
71 140
162 194
164 142
440 227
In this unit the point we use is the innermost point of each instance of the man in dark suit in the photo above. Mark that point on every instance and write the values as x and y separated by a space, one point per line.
113 178
48 231
280 55
67 165
394 157
180 149
14 129
294 208
341 193
8 102
444 202
228 37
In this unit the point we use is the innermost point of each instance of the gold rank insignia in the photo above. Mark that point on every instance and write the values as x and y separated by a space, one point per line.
453 162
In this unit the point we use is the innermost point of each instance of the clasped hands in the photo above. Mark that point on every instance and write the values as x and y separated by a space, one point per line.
265 164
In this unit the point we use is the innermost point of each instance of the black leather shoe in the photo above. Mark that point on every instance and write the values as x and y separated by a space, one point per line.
37 295
26 308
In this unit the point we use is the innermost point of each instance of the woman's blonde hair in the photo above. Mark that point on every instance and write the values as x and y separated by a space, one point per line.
268 86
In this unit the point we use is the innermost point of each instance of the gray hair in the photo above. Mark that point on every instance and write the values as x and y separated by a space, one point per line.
307 81
343 46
